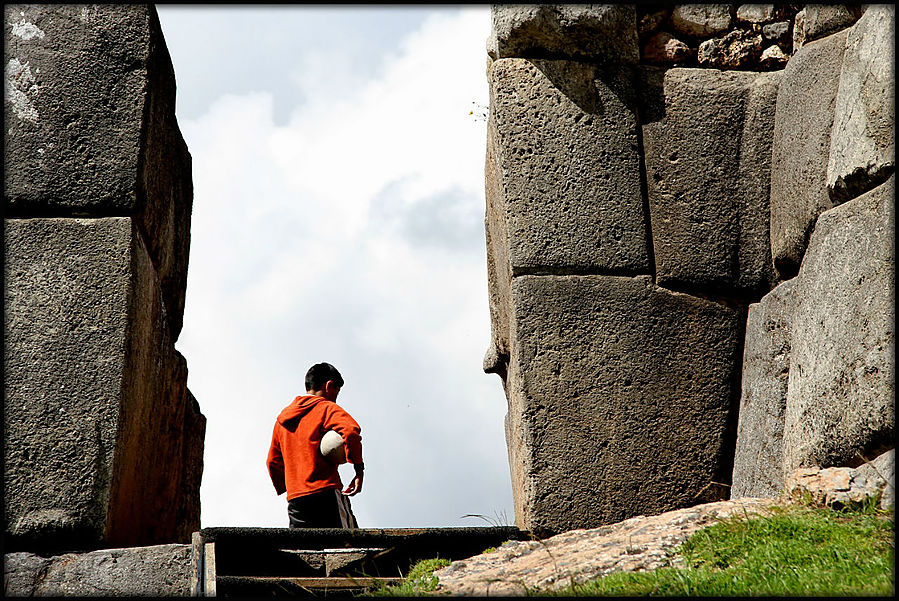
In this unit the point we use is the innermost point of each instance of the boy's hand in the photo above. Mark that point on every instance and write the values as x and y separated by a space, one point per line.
355 486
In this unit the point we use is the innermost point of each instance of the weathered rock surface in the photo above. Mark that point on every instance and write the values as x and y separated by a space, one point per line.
755 13
736 50
638 544
650 22
157 571
883 467
803 121
707 186
91 128
595 32
95 393
815 21
664 48
862 144
840 487
620 398
567 168
842 367
776 32
773 56
701 19
758 460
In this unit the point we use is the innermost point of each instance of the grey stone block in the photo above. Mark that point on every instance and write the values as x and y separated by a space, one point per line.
883 467
701 19
94 390
707 185
842 366
758 460
566 168
187 517
595 32
862 144
802 125
815 21
155 571
620 395
91 128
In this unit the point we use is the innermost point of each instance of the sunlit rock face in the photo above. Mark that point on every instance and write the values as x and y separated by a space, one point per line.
636 212
103 441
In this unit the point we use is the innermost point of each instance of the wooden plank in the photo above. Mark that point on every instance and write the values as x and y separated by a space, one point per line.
196 565
209 569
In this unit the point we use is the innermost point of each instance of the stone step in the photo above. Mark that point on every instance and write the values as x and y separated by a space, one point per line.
283 561
241 586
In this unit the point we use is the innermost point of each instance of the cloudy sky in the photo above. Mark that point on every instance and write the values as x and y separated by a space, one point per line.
338 216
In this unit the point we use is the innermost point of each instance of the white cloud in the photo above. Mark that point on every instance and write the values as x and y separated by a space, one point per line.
352 233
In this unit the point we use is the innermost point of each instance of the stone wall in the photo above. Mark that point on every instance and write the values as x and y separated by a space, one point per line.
103 441
638 197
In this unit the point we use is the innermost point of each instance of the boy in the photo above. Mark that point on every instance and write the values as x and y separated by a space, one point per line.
312 484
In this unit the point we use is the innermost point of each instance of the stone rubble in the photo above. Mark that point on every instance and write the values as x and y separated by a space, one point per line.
637 544
839 487
755 37
665 48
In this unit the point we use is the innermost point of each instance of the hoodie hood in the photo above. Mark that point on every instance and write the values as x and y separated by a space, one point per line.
299 407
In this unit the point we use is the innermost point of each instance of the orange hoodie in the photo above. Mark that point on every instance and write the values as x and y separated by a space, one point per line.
297 435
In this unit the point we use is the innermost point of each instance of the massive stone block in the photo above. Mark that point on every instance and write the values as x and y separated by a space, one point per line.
594 32
91 128
842 366
562 179
566 167
802 125
707 150
862 143
94 423
620 398
758 460
156 571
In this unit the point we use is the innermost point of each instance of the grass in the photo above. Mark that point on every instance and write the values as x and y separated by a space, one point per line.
796 551
419 581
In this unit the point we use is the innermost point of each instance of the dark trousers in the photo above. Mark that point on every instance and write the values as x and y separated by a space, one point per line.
318 510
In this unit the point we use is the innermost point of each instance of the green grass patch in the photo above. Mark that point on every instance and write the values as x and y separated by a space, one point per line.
796 551
420 580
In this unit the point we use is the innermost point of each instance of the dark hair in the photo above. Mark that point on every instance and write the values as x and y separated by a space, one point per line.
320 373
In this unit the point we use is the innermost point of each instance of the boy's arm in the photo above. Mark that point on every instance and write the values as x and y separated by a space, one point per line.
337 419
276 463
